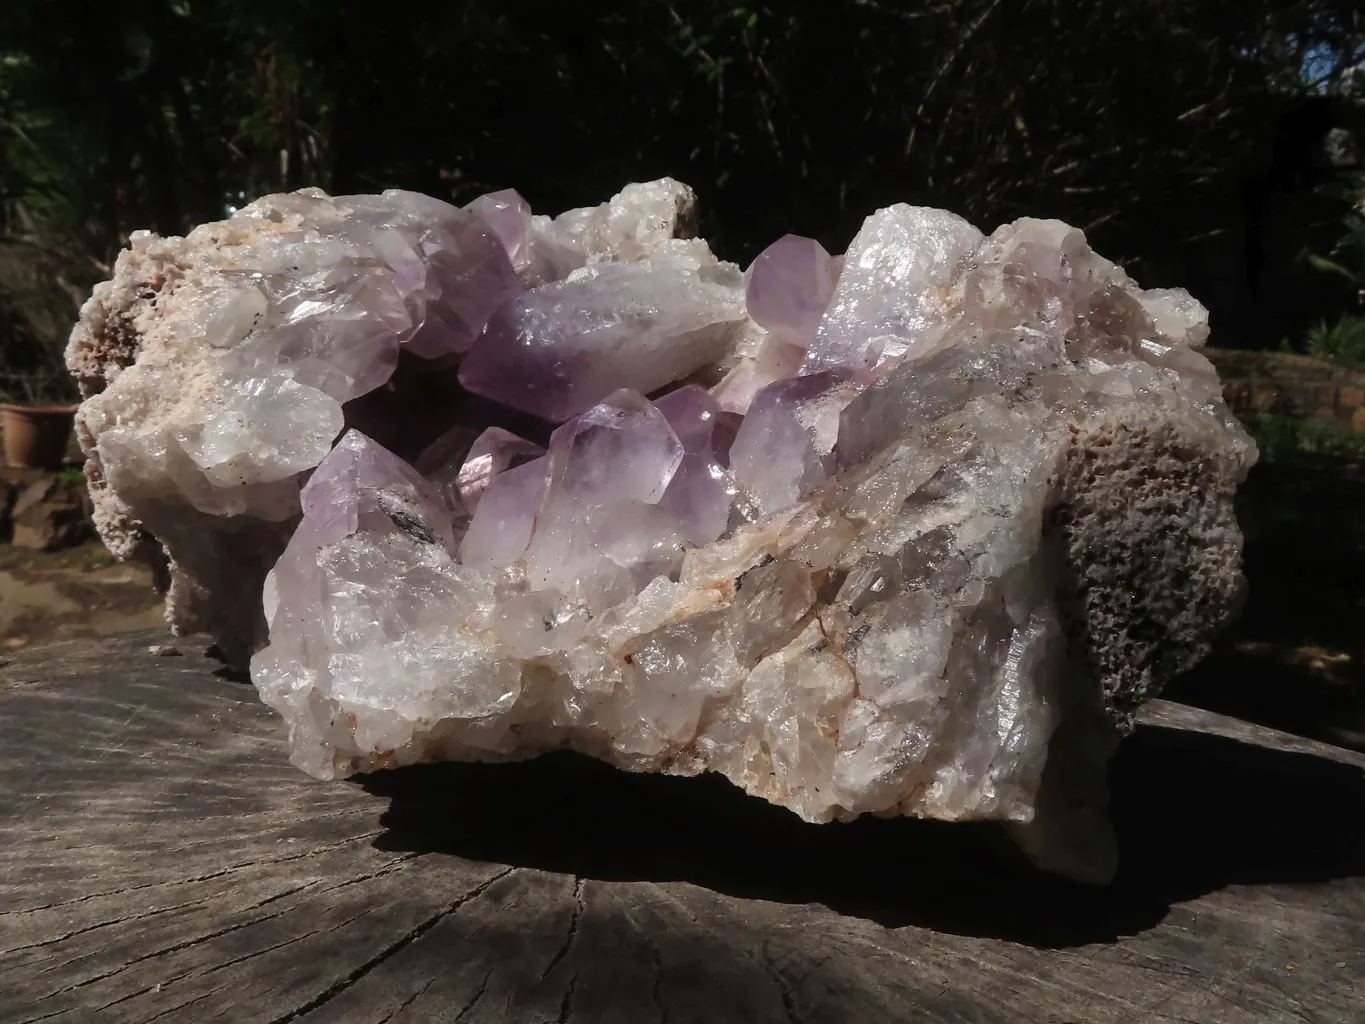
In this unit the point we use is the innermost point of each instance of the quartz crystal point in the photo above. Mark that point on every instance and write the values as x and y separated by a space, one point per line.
461 466
600 535
507 512
495 451
895 284
773 360
366 514
702 494
785 447
633 224
448 261
559 349
509 217
789 286
914 531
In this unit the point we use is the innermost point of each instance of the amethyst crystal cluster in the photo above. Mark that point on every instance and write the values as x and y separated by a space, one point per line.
910 530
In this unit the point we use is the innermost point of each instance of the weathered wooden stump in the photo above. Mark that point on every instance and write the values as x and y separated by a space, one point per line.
160 861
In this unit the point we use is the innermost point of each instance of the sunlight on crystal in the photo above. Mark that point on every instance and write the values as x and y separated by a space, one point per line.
867 533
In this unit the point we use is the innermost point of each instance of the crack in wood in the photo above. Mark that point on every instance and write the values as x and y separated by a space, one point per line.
388 868
409 1001
573 929
46 1016
180 1006
187 944
342 984
478 994
783 986
192 974
105 924
655 989
221 872
261 952
566 1004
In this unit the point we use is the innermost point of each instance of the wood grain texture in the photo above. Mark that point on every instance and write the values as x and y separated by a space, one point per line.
160 861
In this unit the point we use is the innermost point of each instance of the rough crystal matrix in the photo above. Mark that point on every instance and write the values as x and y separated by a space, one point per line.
913 530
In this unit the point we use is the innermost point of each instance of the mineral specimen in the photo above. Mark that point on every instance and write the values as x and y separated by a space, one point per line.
913 530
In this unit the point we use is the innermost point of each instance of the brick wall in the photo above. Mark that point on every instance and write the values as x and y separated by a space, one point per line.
1290 385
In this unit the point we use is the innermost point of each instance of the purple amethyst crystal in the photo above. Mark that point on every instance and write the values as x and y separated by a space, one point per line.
494 452
622 449
789 286
359 479
449 267
440 463
558 350
469 266
358 486
502 524
702 492
532 483
785 447
600 521
509 217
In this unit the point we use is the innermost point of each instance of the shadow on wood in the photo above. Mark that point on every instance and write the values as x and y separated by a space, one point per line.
161 861
1194 813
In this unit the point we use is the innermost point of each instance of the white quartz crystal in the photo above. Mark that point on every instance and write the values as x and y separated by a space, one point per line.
895 284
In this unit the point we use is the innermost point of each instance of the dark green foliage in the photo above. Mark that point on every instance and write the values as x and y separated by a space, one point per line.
1342 342
1346 261
1287 438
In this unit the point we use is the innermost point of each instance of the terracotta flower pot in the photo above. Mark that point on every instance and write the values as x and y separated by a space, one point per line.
36 436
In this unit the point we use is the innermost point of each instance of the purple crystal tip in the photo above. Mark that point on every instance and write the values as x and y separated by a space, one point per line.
790 284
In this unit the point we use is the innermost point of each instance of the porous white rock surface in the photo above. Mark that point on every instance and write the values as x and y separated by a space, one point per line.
910 531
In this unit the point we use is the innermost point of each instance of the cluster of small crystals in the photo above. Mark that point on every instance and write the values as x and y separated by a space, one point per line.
265 325
268 323
712 560
785 524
